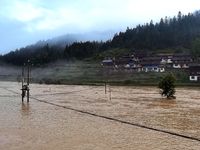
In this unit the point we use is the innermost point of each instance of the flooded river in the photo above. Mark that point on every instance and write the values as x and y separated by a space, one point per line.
67 117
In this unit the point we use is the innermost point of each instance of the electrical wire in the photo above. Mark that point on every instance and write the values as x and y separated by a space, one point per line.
110 118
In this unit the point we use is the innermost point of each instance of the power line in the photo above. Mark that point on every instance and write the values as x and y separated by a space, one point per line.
121 121
112 119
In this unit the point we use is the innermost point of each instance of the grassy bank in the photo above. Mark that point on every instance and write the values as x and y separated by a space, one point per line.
84 73
92 73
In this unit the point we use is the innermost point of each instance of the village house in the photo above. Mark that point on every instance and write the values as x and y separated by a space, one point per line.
135 66
181 62
123 62
167 57
152 66
194 72
147 62
155 64
108 62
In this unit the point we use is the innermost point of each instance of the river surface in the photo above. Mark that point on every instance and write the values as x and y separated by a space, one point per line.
67 117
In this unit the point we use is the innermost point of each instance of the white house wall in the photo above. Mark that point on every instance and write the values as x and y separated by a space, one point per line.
162 69
185 66
153 69
156 70
180 66
176 66
193 78
169 61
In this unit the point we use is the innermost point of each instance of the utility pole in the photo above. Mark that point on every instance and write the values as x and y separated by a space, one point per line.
25 87
23 92
110 92
28 80
105 88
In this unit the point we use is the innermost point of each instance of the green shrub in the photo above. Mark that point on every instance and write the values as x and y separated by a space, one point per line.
167 85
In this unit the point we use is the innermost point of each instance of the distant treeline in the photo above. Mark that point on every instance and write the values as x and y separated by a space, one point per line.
179 31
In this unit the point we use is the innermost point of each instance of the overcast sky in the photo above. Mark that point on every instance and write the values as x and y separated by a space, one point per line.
24 22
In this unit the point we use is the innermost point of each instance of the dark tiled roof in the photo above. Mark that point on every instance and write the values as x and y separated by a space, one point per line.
149 63
181 59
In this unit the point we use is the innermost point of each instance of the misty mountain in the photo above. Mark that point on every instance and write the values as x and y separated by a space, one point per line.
45 51
68 39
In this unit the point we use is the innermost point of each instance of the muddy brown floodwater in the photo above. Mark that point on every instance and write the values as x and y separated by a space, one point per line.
67 117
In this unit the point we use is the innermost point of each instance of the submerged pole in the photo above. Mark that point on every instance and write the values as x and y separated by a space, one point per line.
22 84
105 88
28 80
110 92
25 78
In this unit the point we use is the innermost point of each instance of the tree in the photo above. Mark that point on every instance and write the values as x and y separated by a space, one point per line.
179 16
196 48
167 85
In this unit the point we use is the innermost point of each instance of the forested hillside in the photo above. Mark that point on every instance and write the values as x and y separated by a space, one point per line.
179 31
169 32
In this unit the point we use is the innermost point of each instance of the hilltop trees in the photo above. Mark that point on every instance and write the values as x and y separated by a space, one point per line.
38 56
168 33
81 50
167 85
196 48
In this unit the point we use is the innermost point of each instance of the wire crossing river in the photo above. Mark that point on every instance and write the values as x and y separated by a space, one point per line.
84 117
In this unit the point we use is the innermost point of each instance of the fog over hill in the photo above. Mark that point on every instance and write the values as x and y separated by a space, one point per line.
64 39
70 38
67 39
